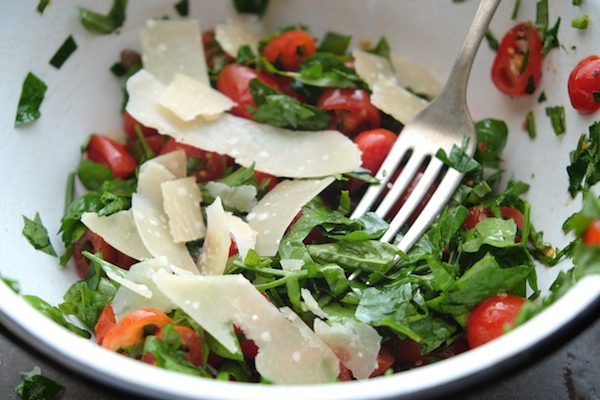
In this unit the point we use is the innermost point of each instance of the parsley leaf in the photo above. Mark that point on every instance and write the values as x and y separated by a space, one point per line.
458 158
584 170
183 8
580 23
37 234
63 53
32 94
36 386
557 119
257 7
334 43
42 5
54 314
99 24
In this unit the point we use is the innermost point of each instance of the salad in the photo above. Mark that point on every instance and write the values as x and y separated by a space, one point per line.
216 239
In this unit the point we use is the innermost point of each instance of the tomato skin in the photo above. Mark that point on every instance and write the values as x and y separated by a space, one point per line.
510 57
130 329
487 321
408 352
592 233
385 359
129 124
351 110
374 145
583 82
94 243
107 152
233 80
212 165
106 321
288 50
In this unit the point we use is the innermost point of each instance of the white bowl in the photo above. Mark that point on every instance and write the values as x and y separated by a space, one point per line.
83 97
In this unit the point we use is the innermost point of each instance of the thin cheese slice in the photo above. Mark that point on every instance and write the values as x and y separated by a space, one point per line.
277 209
233 34
276 151
215 250
152 221
241 197
287 353
181 200
172 46
370 67
118 230
140 289
127 299
244 235
415 76
175 162
189 98
312 304
355 343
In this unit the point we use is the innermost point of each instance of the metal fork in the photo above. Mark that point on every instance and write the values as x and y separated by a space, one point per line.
441 125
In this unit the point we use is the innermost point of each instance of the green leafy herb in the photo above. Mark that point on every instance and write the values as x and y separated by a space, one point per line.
542 22
42 5
257 7
557 119
334 43
36 386
542 98
64 52
551 38
54 314
32 94
99 24
580 23
516 8
12 283
168 356
92 174
491 40
37 235
382 48
530 125
183 8
245 55
584 170
458 158
577 2
530 88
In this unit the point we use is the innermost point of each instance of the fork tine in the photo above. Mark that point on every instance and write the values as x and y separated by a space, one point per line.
425 183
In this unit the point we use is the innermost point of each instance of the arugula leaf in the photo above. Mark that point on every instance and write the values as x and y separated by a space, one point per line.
493 134
183 8
495 232
37 235
32 95
169 358
11 283
334 43
36 386
42 5
99 24
92 174
64 52
257 7
277 109
458 158
54 314
580 23
368 255
557 119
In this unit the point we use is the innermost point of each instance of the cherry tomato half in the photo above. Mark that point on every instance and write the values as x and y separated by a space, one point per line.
107 152
288 50
584 85
374 146
94 243
129 124
351 110
211 165
233 82
106 321
517 68
478 213
132 328
489 318
592 233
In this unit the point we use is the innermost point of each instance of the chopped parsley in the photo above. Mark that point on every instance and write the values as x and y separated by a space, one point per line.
99 24
549 36
577 2
491 40
64 52
557 118
334 43
584 170
32 95
530 125
37 234
36 386
183 8
257 7
515 12
42 5
580 23
542 98
596 96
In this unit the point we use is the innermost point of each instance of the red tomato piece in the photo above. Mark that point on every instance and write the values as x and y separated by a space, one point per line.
249 348
268 179
408 352
107 152
129 124
584 85
93 243
289 49
106 321
190 342
233 82
592 233
132 328
212 165
517 68
488 320
213 52
385 359
351 110
374 146
345 374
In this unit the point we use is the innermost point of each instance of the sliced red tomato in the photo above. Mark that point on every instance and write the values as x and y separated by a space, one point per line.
233 82
489 319
106 321
288 50
133 327
190 344
517 68
249 348
584 85
408 353
385 360
93 243
107 152
129 124
211 165
351 110
592 233
374 145
345 374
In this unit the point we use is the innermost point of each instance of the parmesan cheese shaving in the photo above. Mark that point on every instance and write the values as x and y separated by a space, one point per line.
355 343
189 98
181 200
370 67
175 162
141 290
312 304
170 46
233 34
291 264
215 250
277 209
289 352
412 75
118 230
279 152
151 220
128 299
241 197
244 235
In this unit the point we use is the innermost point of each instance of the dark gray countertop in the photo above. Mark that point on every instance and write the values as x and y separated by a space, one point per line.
570 373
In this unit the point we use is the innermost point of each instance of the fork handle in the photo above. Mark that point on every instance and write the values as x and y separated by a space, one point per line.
459 75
